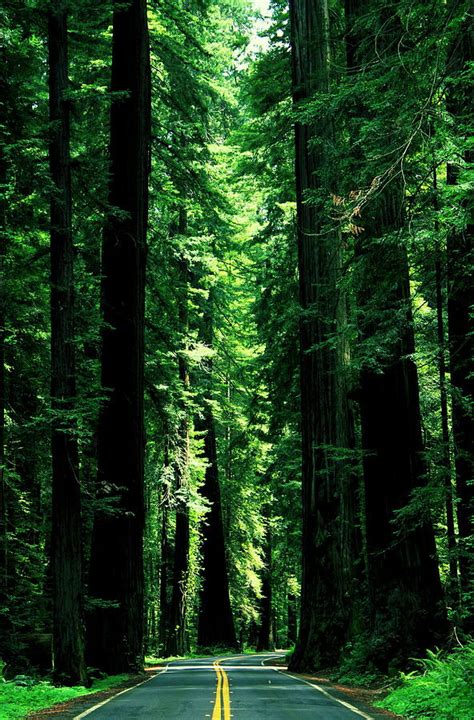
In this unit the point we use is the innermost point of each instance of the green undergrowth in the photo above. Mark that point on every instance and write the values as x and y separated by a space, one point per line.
441 689
200 654
24 695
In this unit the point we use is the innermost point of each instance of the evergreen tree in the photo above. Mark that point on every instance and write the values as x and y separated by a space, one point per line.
115 630
325 422
66 544
391 434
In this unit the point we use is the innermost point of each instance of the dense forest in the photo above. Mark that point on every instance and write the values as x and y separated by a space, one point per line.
236 377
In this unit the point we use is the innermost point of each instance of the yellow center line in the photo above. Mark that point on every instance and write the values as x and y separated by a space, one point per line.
226 696
222 703
216 713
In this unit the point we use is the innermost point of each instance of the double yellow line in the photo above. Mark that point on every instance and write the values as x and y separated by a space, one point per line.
222 705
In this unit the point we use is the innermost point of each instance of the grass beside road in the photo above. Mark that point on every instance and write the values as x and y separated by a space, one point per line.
18 701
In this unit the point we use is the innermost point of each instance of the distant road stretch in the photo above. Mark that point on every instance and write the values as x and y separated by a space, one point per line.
238 688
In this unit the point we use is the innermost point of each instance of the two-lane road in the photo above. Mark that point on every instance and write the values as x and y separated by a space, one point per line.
238 687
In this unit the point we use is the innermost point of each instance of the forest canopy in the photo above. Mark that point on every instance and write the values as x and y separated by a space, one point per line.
236 379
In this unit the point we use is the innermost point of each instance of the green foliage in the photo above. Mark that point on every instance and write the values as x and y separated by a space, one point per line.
442 688
17 700
223 157
356 667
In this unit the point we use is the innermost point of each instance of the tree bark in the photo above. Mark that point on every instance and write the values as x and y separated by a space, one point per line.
215 622
115 629
406 607
326 577
66 544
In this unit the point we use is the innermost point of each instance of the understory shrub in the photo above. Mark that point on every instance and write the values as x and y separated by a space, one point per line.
441 689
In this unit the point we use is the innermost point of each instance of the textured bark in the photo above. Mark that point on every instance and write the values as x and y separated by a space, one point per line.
460 252
215 622
66 549
115 633
406 606
325 421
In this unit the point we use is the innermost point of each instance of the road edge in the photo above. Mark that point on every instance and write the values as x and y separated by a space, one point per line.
329 695
122 692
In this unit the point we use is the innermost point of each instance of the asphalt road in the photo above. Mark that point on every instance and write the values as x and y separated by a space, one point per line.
237 688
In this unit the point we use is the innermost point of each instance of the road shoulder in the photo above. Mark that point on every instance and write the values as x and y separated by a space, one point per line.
362 698
73 708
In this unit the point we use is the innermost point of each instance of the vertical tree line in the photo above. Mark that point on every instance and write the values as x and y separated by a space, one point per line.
236 332
115 632
405 608
66 541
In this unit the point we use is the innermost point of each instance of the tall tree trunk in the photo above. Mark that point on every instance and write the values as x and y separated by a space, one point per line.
115 633
215 622
266 639
4 624
325 581
453 585
164 566
292 620
177 637
405 595
66 545
452 592
460 253
165 560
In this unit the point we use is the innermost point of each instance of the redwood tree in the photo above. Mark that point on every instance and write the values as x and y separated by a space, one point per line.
215 622
325 420
115 627
66 546
406 609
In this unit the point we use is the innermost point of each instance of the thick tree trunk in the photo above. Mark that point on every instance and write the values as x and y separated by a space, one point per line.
326 576
66 545
115 633
215 622
460 252
405 596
